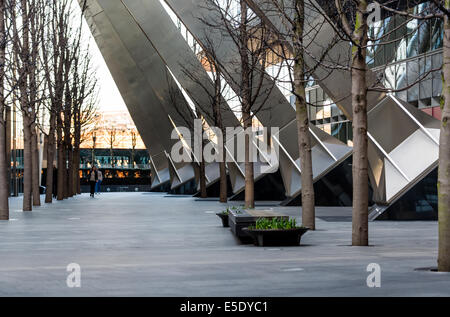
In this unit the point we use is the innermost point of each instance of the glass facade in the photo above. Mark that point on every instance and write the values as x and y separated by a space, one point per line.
334 189
419 203
326 115
120 158
408 58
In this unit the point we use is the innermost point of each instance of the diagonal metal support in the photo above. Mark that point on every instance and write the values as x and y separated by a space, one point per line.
396 129
278 113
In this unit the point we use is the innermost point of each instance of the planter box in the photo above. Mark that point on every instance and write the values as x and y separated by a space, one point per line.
247 218
288 237
224 218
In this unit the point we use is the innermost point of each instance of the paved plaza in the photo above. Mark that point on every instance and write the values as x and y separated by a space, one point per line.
152 244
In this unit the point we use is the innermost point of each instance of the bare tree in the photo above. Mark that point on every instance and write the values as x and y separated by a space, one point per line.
203 191
84 113
253 40
83 99
351 25
4 183
208 58
356 32
186 115
444 153
293 40
71 80
84 127
25 53
52 56
37 91
71 53
439 9
308 210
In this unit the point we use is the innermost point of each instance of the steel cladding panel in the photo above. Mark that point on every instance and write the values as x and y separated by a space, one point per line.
178 56
144 105
389 142
278 112
172 103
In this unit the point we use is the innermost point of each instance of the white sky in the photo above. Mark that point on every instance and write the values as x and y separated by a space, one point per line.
109 95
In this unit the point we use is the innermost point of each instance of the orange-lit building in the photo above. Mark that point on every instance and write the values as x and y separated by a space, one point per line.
113 129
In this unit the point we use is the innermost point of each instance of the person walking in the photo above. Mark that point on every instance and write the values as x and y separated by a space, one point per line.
99 181
93 178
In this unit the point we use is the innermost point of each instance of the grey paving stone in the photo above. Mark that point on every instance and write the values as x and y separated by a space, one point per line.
134 244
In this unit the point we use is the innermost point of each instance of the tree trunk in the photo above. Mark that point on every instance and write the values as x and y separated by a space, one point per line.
65 172
76 152
67 146
249 167
76 170
60 162
78 182
304 141
4 183
246 106
223 183
8 143
50 159
23 53
360 223
444 158
70 171
203 192
223 192
27 164
202 167
14 154
35 166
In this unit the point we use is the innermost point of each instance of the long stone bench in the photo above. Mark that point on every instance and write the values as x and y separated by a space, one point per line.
239 219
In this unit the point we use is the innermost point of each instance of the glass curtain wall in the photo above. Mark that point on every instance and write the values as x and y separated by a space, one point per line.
409 58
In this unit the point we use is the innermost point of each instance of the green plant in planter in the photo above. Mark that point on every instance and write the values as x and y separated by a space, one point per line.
235 209
275 224
225 212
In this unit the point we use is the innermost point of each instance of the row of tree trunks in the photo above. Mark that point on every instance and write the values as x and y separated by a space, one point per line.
4 184
44 43
67 168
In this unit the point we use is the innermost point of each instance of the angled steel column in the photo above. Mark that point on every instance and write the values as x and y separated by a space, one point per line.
153 19
403 141
154 22
328 152
130 69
